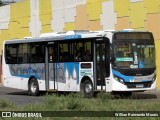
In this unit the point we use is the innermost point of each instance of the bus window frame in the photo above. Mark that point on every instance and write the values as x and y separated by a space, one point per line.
29 54
74 42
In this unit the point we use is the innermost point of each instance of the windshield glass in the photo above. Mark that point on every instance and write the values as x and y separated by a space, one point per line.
133 55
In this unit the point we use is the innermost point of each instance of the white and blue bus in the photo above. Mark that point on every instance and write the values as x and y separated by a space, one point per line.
113 61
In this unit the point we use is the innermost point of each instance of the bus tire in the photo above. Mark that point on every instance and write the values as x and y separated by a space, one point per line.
87 89
33 88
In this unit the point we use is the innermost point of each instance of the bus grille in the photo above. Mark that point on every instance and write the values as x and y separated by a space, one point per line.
138 85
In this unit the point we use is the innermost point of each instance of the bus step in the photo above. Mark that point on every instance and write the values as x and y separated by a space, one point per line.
99 91
51 90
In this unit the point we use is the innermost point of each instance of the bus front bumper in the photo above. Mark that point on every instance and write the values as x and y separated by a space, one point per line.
117 86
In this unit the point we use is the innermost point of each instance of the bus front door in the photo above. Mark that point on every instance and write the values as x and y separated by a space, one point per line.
102 63
52 58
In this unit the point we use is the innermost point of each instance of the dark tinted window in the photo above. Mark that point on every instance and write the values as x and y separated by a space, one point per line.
75 51
11 54
83 51
37 53
23 53
52 51
65 52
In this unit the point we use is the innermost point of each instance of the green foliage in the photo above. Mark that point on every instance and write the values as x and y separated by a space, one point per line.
4 103
104 96
76 102
73 104
0 2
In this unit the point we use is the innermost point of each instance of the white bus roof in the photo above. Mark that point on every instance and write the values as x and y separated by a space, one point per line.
58 36
69 35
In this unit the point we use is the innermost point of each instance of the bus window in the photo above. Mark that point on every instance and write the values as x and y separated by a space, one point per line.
23 53
79 53
52 51
37 53
146 55
11 54
87 55
124 57
65 52
83 51
74 51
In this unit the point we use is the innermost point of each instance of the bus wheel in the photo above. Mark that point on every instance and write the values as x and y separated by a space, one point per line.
33 89
87 89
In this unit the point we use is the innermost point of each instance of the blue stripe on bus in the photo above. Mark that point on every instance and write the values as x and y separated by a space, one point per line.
73 37
124 77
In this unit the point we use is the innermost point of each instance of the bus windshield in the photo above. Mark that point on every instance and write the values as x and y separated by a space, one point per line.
134 54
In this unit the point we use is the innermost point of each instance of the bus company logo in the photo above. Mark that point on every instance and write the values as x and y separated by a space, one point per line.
6 114
131 80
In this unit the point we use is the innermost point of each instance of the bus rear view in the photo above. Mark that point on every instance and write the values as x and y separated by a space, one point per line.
133 61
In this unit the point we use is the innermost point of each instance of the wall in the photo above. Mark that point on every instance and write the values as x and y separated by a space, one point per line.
33 17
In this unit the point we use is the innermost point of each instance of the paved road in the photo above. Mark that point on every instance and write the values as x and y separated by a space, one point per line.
21 97
18 96
147 95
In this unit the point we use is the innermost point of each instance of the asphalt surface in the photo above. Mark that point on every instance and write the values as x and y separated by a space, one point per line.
18 96
21 97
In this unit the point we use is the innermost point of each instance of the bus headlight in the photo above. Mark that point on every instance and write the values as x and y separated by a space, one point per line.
153 79
118 79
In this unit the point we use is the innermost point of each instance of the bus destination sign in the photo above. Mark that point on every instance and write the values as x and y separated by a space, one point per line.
133 36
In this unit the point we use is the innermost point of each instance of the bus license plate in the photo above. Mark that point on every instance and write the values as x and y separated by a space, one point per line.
139 86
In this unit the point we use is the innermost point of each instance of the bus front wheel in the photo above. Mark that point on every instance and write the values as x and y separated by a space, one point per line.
33 89
87 89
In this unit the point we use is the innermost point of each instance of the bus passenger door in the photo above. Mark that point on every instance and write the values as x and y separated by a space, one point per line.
102 63
52 58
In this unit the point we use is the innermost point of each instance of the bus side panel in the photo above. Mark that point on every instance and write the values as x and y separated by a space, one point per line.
36 70
20 74
8 79
67 75
86 69
42 85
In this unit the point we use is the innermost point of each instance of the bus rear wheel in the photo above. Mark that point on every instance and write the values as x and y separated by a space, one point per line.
33 88
87 89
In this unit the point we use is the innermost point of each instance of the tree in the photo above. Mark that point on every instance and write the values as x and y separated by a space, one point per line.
1 3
